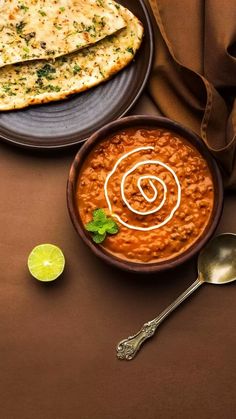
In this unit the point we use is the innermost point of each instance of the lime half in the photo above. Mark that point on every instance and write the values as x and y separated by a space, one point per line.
46 262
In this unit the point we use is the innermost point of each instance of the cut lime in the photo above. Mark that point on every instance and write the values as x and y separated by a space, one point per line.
46 262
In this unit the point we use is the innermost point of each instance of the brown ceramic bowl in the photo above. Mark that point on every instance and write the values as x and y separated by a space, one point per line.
145 122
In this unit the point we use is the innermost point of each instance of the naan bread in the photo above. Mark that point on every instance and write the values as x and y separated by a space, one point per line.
44 29
37 82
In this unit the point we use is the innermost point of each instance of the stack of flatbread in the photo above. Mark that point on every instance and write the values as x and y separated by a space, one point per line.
52 49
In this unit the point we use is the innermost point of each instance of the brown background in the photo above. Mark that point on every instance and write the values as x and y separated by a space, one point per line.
57 342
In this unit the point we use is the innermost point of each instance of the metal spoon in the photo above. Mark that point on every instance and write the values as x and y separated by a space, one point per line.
216 265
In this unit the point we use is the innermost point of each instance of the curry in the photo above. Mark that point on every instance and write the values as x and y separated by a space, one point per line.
155 185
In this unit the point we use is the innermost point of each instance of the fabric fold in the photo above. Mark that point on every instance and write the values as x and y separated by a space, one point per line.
194 73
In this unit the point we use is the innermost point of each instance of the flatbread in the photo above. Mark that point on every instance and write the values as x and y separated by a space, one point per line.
44 29
37 82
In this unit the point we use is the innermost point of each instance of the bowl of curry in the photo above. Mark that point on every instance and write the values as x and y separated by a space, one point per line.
144 194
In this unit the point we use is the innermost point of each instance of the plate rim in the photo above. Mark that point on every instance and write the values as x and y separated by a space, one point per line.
71 144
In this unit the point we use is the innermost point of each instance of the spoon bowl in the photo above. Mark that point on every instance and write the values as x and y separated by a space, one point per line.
217 261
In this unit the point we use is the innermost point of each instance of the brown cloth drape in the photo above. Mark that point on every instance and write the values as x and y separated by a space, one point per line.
194 75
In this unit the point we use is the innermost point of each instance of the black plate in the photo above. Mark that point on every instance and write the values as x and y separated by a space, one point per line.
69 122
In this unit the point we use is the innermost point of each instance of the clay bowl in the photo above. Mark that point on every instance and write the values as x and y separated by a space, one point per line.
148 122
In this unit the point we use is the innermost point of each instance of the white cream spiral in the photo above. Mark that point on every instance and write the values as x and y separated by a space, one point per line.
149 200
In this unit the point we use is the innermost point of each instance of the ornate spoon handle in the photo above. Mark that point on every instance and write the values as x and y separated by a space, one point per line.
128 348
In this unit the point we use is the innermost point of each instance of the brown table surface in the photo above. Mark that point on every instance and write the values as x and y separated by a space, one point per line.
57 342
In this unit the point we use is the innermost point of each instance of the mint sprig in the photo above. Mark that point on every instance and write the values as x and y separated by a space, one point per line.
101 225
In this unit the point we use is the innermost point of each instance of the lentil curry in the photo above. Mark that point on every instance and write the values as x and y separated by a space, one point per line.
155 185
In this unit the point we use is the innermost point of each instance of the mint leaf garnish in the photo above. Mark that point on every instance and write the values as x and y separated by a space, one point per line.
92 227
113 230
99 215
102 230
99 238
101 225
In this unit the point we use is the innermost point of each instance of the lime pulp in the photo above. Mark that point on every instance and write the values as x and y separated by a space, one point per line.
46 262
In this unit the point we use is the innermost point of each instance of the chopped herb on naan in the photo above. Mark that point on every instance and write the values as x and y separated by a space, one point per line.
44 29
38 82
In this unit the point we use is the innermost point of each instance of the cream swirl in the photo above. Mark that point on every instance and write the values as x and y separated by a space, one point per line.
150 178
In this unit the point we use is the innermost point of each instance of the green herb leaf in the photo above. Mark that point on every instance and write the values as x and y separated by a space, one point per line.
92 227
102 230
99 238
99 215
76 69
110 223
129 49
113 230
19 27
101 225
52 88
58 27
23 7
46 71
42 12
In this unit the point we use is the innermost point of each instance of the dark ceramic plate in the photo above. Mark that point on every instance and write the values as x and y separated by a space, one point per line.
70 122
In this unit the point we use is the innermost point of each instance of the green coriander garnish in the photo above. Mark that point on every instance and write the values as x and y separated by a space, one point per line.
7 89
46 71
42 13
100 3
20 26
129 49
23 7
76 69
52 88
101 225
58 27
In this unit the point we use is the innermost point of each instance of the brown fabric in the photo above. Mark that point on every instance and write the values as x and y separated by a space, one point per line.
194 75
57 342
